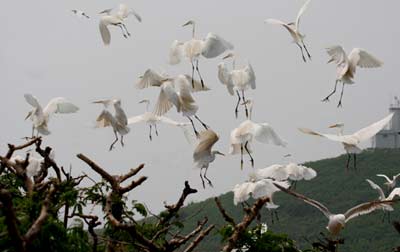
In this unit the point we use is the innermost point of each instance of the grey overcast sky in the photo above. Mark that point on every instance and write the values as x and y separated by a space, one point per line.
48 52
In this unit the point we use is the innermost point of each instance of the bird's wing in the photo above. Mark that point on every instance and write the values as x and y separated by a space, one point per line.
275 171
149 79
214 46
207 139
396 177
395 192
197 85
301 12
175 52
104 119
120 115
332 137
264 133
361 58
167 98
136 119
223 76
364 208
104 32
32 100
378 188
338 55
170 121
241 192
59 105
124 11
384 176
279 22
266 187
184 89
251 76
373 129
309 201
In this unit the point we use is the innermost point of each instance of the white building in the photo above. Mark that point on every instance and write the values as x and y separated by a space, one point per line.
390 137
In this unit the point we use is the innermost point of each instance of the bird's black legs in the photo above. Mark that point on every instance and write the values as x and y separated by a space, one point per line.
355 161
305 48
293 185
248 152
194 128
151 138
245 105
202 123
122 140
202 180
198 72
126 30
237 104
241 156
116 140
155 127
123 31
348 161
205 176
302 53
192 74
334 91
274 215
341 96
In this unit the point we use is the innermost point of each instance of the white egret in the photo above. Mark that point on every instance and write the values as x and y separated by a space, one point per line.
338 221
391 183
237 80
40 117
116 19
347 64
210 47
118 121
203 156
395 192
242 136
291 171
80 13
350 142
33 167
152 120
293 28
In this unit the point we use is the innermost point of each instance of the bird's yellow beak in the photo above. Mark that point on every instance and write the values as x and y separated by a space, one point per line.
333 126
28 115
187 23
220 153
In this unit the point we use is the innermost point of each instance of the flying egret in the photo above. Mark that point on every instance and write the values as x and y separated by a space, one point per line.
389 206
293 28
347 64
210 47
203 156
116 19
80 13
238 80
152 120
118 121
391 183
40 117
242 136
338 221
350 142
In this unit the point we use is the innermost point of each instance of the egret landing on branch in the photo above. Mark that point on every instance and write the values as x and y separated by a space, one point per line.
293 29
389 207
203 156
116 19
237 80
350 142
118 121
338 221
210 47
152 120
40 117
347 64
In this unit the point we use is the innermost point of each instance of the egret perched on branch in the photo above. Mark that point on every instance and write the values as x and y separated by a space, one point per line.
247 131
237 80
40 117
350 142
152 120
118 121
175 91
210 47
293 29
347 64
202 155
116 19
338 221
391 183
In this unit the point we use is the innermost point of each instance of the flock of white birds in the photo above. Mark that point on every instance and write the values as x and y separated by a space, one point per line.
178 91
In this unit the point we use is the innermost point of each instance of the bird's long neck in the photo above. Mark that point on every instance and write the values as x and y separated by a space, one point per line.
193 30
341 131
147 106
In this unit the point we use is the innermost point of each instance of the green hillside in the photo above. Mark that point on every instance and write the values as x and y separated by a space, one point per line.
337 189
